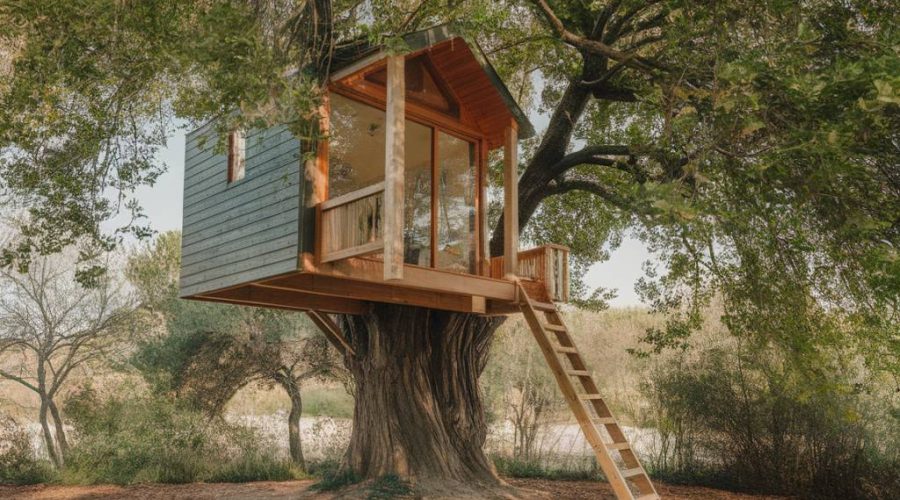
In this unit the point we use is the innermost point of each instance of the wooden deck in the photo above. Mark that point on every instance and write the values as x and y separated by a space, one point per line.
351 285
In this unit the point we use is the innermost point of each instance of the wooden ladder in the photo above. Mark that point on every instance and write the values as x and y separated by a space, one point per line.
588 406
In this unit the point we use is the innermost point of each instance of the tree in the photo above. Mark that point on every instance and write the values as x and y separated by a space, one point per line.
752 144
207 352
51 326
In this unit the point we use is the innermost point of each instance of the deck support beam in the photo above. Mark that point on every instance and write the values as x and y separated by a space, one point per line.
510 198
394 155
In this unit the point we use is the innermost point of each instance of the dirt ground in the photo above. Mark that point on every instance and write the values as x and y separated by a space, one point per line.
556 490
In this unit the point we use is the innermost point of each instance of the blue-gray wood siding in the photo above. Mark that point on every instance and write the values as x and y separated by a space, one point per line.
250 229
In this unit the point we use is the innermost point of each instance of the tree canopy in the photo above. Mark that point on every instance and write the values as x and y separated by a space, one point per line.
752 145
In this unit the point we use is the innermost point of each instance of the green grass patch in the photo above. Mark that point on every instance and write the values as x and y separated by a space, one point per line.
556 470
331 476
256 467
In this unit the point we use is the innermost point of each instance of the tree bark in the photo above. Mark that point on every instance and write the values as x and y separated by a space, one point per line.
48 436
61 440
418 411
295 443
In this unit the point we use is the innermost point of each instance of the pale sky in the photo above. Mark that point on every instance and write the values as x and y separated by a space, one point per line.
162 205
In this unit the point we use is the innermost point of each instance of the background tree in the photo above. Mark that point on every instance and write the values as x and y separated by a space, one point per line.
205 353
49 327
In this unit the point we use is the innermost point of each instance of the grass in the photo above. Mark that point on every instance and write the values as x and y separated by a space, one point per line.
545 469
256 467
332 476
389 486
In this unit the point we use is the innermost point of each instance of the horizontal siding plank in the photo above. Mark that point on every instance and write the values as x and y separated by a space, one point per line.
218 257
253 179
253 232
197 165
255 141
215 166
228 205
218 231
241 266
216 173
266 271
243 192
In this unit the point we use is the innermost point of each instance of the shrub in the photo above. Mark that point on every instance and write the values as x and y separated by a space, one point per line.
387 487
332 476
151 439
18 461
749 419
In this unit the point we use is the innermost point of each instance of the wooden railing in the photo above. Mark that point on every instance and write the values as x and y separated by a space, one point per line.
351 224
548 264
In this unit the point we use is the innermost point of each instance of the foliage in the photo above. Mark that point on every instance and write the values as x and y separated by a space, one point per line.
50 325
333 477
739 417
545 469
520 389
143 438
18 461
387 487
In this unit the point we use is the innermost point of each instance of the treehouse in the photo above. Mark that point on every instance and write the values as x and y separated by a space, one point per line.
390 206
393 207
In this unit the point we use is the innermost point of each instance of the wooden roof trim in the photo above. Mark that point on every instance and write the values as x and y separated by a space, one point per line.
420 41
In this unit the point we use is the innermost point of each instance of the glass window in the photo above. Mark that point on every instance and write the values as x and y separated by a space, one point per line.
417 194
356 160
355 146
456 204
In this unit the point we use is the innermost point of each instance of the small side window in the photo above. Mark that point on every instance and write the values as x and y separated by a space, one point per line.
236 156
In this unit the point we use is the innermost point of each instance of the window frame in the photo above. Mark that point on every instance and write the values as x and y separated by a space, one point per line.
360 90
237 156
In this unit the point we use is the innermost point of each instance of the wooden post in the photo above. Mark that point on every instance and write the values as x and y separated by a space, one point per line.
395 142
510 198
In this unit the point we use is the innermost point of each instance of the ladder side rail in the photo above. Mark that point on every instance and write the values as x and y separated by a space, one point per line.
612 472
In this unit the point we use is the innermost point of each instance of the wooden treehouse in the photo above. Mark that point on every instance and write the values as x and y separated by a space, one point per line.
392 208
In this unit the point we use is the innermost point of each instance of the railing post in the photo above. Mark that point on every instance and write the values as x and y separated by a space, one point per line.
395 142
511 198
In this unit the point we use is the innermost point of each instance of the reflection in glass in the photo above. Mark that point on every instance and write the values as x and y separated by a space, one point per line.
456 204
356 160
355 146
417 195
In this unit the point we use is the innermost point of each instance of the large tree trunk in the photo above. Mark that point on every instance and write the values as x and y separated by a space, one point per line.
418 412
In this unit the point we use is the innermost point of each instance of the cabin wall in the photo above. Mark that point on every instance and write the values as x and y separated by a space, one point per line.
248 230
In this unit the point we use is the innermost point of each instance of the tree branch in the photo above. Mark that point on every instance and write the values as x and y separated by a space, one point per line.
628 59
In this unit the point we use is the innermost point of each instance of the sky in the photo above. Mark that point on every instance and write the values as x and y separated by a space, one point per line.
162 206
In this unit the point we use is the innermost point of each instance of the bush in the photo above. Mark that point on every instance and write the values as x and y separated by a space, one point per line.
19 464
150 439
751 420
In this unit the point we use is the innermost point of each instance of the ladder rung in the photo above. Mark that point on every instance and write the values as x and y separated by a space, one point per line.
555 328
566 349
605 420
544 306
618 446
579 373
590 396
637 471
649 496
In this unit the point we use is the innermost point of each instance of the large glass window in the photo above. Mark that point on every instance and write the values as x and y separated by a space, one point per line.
417 194
356 160
355 146
456 204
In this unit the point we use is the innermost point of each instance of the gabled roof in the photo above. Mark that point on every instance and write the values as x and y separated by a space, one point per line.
461 61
